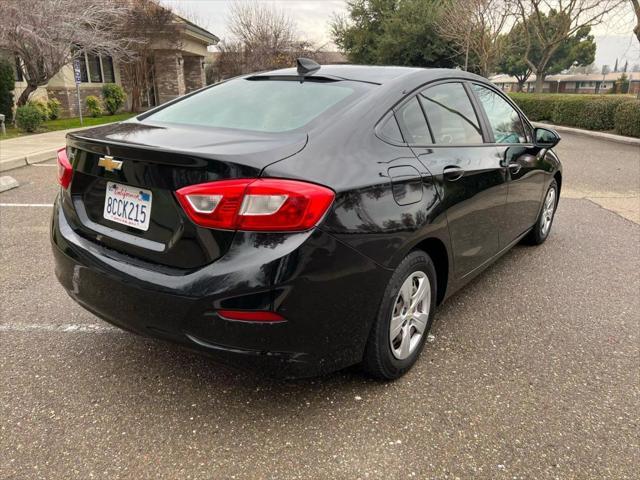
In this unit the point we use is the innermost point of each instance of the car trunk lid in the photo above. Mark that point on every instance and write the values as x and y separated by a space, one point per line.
157 160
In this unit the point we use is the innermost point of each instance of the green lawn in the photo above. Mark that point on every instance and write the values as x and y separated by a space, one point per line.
66 123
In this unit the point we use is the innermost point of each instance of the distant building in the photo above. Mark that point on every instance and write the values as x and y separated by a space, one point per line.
578 83
176 70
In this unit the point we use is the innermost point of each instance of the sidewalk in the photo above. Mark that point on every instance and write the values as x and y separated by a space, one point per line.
21 151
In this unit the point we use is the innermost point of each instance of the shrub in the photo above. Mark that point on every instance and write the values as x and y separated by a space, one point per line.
114 97
42 107
537 107
53 104
621 85
627 118
29 118
7 85
591 112
94 106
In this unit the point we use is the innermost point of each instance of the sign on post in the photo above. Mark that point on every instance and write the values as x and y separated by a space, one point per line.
78 77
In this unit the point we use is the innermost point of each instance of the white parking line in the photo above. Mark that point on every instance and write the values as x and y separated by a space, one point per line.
26 205
63 328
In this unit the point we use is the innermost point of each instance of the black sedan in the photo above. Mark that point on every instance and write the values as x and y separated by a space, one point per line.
302 220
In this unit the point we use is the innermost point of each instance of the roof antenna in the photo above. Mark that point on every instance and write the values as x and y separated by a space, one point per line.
306 66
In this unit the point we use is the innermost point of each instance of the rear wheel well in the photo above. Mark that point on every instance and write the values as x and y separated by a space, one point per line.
558 178
438 254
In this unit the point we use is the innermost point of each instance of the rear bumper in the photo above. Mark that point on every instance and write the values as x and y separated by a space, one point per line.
328 293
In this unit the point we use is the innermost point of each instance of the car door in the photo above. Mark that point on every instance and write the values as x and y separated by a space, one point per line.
524 162
470 178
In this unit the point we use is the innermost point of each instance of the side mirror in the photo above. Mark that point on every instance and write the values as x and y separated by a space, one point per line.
546 138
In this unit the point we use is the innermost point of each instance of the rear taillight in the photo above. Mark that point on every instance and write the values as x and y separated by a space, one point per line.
65 170
265 204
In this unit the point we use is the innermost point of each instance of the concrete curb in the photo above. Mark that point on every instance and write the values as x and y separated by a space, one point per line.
590 133
24 160
7 183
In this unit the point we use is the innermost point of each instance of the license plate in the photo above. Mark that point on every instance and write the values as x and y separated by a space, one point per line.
127 205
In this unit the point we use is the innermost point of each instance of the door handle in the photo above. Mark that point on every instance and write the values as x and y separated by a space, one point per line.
514 167
453 173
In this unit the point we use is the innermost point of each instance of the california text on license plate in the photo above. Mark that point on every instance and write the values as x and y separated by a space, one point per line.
127 205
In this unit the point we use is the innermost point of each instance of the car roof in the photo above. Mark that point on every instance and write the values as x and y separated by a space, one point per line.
373 73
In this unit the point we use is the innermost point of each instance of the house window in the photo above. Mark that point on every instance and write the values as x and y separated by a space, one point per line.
95 72
107 70
96 68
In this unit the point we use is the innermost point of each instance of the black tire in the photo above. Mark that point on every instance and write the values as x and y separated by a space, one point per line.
538 235
379 360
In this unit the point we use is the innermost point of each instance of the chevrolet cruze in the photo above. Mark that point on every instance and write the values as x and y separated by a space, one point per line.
301 220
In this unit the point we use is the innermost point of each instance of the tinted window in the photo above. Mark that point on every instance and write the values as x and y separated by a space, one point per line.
260 105
505 122
390 129
94 68
413 123
107 70
84 75
450 114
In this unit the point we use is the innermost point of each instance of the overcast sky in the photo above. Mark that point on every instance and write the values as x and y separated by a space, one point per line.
613 38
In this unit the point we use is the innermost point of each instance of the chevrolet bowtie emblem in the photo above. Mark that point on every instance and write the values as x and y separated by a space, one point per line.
109 163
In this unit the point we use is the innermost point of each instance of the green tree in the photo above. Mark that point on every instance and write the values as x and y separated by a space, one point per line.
394 32
512 61
521 56
556 25
7 84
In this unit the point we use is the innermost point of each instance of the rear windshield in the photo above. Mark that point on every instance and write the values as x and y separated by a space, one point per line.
259 105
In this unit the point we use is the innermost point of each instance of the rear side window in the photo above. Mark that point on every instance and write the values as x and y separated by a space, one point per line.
413 123
390 129
451 115
259 105
505 122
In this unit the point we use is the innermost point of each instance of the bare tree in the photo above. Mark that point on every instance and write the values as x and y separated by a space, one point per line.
475 27
263 30
263 38
570 17
230 60
147 24
636 8
48 35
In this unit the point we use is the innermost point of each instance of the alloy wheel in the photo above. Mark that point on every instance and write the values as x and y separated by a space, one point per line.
547 211
410 315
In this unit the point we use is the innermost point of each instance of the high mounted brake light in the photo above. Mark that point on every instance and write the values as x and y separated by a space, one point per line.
265 204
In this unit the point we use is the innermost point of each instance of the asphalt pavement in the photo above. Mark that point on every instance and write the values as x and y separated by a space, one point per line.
533 371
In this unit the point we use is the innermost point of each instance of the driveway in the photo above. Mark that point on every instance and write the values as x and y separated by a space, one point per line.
533 371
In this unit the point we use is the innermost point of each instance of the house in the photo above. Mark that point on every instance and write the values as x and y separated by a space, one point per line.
568 83
177 67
